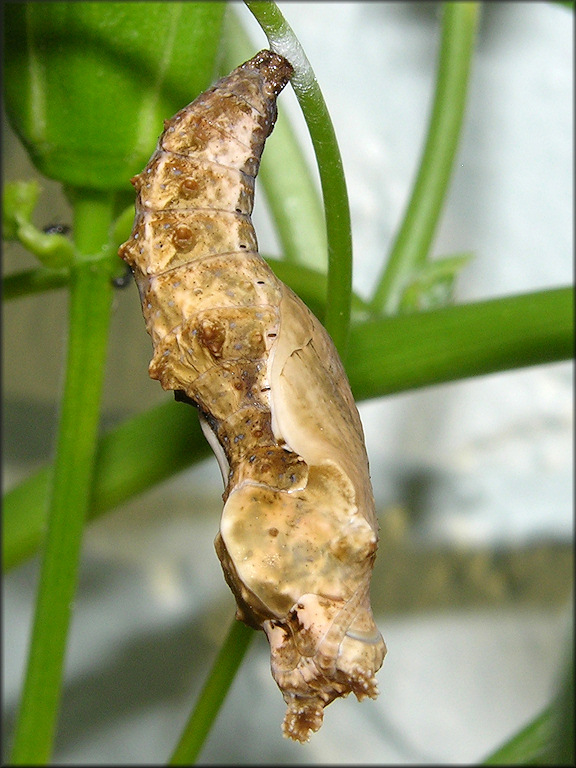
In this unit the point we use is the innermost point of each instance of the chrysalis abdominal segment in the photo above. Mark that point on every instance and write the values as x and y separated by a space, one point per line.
298 533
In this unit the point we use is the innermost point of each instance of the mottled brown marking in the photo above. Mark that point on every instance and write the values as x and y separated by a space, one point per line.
212 335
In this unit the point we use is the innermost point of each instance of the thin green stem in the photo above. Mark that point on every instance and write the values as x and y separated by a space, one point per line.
290 189
412 244
293 199
336 209
69 499
213 694
30 281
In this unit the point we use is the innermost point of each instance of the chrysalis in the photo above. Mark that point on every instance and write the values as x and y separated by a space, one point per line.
298 533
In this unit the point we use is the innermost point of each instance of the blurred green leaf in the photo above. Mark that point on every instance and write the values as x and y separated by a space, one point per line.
416 350
528 747
312 287
29 281
87 85
125 465
433 286
549 738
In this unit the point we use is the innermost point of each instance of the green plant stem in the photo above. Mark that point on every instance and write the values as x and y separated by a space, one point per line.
213 694
29 281
332 180
293 198
69 497
416 351
290 189
411 247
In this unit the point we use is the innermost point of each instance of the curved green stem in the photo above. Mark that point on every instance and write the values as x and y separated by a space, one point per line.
412 244
289 187
213 694
336 209
69 498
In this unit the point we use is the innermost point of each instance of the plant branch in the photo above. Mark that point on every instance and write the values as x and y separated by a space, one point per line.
411 247
69 494
290 189
407 352
213 694
29 281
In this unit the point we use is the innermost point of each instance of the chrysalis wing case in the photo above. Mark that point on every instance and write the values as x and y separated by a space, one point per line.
298 532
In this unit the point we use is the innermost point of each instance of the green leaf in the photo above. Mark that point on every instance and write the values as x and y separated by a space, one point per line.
87 85
433 285
312 287
408 351
549 738
127 462
29 281
528 747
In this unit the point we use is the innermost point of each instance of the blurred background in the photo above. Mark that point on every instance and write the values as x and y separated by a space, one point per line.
473 480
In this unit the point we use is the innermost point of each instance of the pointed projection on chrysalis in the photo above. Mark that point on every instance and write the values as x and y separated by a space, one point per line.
298 533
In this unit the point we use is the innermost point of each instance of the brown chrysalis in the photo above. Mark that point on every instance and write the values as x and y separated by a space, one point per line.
298 533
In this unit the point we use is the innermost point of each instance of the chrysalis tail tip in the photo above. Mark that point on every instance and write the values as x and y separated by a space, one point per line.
302 720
